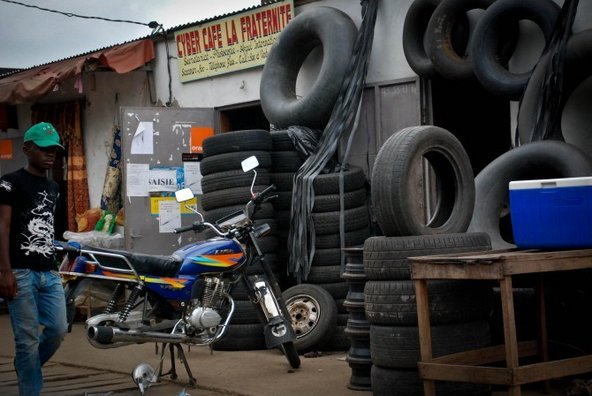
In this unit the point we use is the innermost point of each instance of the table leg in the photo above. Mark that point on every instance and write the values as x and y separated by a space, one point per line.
425 334
543 347
510 339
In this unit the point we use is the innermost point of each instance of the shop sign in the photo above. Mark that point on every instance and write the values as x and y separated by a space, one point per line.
229 44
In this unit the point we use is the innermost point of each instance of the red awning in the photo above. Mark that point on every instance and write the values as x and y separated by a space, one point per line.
31 84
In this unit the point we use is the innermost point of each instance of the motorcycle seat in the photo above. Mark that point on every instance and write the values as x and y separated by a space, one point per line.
143 264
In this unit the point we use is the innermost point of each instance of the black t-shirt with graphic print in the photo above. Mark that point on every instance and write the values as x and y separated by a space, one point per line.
33 200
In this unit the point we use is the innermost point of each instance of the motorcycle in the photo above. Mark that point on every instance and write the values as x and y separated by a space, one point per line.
184 298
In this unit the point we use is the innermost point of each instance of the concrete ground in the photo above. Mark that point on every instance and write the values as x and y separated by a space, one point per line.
80 369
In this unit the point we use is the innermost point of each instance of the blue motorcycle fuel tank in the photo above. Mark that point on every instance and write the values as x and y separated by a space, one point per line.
212 255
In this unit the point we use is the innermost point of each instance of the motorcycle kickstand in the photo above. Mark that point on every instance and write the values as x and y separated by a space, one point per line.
173 371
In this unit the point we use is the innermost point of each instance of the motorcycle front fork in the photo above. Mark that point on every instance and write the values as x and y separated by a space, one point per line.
278 328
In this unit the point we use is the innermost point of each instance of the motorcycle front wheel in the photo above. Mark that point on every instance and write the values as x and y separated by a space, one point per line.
290 352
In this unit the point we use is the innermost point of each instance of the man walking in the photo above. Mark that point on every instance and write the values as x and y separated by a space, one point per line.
28 277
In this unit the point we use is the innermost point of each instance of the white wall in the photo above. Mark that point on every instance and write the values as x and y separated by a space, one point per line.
99 115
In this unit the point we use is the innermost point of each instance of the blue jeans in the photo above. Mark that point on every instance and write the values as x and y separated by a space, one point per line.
40 301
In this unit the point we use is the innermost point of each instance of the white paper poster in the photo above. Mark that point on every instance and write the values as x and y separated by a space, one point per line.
143 140
193 177
163 179
169 216
137 180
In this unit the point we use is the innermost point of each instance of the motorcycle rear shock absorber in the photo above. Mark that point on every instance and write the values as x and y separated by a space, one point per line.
115 296
131 302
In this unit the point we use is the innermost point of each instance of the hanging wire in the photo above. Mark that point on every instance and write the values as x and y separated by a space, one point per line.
301 239
548 109
152 24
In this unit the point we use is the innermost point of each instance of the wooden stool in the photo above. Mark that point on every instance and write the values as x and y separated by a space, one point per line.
470 366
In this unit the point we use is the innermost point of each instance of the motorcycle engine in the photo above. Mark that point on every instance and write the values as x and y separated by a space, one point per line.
202 318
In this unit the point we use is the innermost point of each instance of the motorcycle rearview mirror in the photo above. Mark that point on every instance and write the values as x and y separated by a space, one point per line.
248 164
185 195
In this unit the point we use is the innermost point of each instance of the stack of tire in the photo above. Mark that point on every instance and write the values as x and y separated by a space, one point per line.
326 265
226 189
459 311
285 162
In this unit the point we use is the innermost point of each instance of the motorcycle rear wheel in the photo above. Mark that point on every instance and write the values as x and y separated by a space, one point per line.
290 352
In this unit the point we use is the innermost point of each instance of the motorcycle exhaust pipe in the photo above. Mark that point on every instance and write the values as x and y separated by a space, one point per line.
109 335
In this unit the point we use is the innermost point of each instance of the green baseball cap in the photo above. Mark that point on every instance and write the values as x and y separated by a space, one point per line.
43 135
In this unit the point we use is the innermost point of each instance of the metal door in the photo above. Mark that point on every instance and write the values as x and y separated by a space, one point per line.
158 139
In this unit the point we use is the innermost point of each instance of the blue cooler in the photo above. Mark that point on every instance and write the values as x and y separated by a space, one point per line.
552 213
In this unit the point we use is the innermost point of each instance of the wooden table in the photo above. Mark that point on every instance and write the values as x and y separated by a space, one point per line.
471 366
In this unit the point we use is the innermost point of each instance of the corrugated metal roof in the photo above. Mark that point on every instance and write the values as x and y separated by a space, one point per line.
168 31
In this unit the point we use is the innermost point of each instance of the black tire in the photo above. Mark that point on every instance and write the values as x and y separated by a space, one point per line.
328 222
232 161
281 141
487 35
324 274
328 183
578 61
247 140
242 337
537 160
400 382
265 212
285 161
331 202
234 178
313 27
228 197
323 203
438 38
398 346
416 22
337 290
393 302
352 238
283 181
324 184
244 313
271 260
385 258
324 257
313 313
291 353
339 341
396 199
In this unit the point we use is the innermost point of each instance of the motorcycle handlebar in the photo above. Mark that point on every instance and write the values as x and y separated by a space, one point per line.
261 197
196 226
66 247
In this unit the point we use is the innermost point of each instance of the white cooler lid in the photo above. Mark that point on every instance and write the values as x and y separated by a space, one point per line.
551 183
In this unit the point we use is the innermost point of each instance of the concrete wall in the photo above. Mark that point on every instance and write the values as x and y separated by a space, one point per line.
100 114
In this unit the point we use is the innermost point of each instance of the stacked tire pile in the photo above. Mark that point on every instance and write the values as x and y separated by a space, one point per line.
459 311
226 189
325 271
285 163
